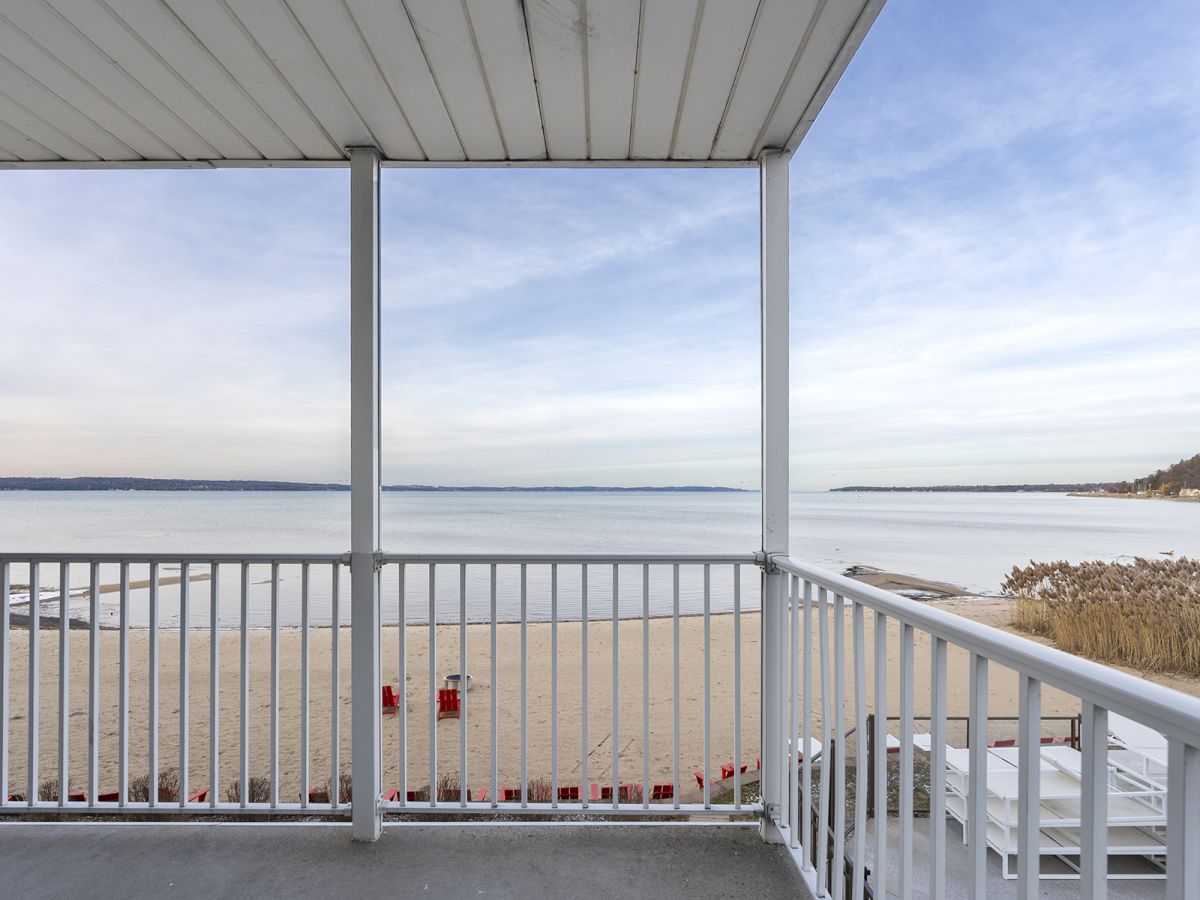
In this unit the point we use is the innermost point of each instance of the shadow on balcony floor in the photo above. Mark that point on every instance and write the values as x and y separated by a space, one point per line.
301 861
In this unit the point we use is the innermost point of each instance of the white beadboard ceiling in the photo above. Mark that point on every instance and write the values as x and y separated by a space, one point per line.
428 82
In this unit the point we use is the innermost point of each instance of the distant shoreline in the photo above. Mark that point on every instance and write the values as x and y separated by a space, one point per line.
1115 496
1080 488
105 483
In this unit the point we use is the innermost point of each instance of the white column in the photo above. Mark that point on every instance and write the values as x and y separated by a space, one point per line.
364 492
773 167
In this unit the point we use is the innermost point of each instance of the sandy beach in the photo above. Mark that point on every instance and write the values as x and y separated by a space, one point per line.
1002 694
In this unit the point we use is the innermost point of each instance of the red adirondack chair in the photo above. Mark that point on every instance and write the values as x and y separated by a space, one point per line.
198 796
109 797
569 793
448 704
390 702
727 770
662 792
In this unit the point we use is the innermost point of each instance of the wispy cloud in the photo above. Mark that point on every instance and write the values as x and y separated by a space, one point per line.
994 279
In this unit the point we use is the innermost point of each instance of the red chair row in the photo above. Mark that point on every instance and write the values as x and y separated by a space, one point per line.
727 770
115 797
626 793
449 702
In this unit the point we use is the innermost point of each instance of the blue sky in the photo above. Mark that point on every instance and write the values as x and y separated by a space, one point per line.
995 278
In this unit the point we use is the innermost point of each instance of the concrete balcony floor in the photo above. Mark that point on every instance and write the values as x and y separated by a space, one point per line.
138 860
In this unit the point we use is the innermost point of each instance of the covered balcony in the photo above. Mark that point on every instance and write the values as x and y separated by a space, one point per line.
540 724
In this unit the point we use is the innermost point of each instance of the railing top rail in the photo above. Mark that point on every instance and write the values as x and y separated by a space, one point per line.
1169 711
143 557
570 558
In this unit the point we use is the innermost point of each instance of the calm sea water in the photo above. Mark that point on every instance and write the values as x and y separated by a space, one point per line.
967 539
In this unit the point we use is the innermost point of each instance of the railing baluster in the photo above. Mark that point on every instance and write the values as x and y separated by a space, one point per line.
737 685
525 689
823 822
495 708
675 694
304 610
860 753
274 684
244 686
1183 820
93 690
806 775
64 679
214 683
402 700
707 694
937 769
646 690
553 685
184 718
585 787
906 761
616 687
153 691
5 612
122 690
335 718
977 779
1093 856
879 740
35 676
793 660
839 755
433 760
463 685
1029 739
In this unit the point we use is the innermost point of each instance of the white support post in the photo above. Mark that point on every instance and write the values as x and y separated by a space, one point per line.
773 210
364 493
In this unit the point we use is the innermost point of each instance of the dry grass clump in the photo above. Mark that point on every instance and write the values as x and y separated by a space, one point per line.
1144 614
258 790
168 787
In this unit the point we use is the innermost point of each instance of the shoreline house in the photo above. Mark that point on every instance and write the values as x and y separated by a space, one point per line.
370 86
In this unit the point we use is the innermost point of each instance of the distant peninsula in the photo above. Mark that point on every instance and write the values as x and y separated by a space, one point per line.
988 488
98 483
1180 481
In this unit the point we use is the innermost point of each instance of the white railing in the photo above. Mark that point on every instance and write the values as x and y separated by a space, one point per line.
223 600
593 593
202 608
846 859
578 721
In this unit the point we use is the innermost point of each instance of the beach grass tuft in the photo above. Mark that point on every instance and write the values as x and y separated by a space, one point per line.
1144 614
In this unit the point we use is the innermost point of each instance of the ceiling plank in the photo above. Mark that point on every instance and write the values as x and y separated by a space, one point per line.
21 146
63 119
231 45
338 40
58 38
167 35
836 37
33 126
772 52
449 45
508 66
724 30
389 35
110 34
668 27
612 36
556 40
48 71
286 46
